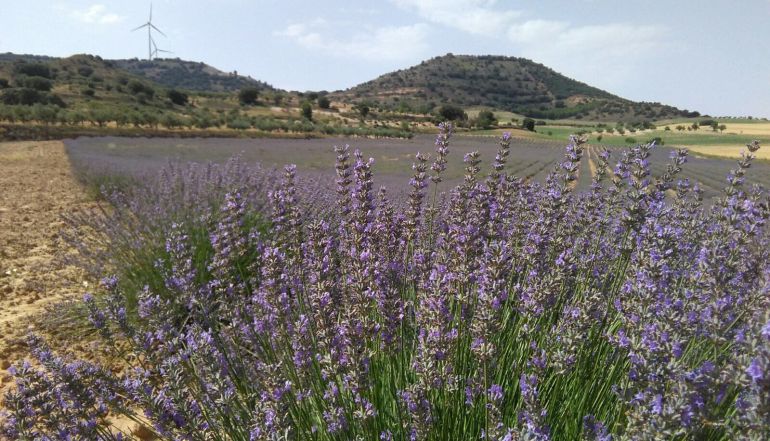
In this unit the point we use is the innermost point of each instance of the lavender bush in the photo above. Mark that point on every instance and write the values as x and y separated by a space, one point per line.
512 310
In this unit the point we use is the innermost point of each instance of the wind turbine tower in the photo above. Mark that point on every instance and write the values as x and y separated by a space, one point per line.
156 50
150 41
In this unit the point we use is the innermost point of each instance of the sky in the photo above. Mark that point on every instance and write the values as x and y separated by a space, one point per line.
709 55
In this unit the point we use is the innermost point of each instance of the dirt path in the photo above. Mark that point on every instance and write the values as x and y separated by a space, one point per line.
36 188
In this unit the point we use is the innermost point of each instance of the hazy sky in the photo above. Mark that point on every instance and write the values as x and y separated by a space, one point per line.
706 55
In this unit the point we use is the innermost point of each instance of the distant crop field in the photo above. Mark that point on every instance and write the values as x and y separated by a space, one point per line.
727 151
393 158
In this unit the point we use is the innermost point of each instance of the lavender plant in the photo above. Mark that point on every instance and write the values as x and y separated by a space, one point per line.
514 310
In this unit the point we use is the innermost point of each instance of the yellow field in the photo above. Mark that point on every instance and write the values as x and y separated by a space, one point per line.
729 151
760 129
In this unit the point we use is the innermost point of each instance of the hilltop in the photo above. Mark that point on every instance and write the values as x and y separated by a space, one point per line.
190 75
503 83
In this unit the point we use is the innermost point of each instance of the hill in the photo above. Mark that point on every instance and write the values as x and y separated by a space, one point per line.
80 83
189 75
85 95
504 83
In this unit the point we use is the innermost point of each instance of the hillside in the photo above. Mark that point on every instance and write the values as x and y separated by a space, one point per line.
85 95
80 83
503 83
189 75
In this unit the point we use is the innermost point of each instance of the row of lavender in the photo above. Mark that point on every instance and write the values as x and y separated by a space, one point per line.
505 310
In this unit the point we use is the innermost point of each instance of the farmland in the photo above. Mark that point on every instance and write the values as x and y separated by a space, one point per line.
205 257
393 159
475 247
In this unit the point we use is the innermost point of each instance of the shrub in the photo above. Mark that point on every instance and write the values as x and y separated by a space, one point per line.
248 96
33 70
486 119
324 102
85 71
452 113
38 83
177 97
657 140
528 124
307 110
139 88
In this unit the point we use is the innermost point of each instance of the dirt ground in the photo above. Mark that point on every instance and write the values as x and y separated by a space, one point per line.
36 188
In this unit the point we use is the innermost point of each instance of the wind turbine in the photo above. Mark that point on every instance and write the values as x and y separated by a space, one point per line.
150 42
156 49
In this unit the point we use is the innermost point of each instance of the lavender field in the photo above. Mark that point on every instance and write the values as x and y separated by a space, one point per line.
392 158
498 290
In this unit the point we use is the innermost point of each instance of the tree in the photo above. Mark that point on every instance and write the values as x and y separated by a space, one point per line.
177 97
695 126
307 110
454 113
45 114
139 88
100 116
486 119
324 102
33 70
37 83
722 128
363 110
528 124
248 96
170 121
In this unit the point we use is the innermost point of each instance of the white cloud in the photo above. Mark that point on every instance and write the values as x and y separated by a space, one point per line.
388 43
601 54
607 56
98 14
477 17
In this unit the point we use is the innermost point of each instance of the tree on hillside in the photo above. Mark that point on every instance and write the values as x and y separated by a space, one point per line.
307 110
139 88
248 96
363 110
486 119
33 70
323 102
37 83
177 97
528 124
100 117
453 113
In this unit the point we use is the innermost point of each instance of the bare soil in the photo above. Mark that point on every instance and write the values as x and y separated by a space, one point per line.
36 188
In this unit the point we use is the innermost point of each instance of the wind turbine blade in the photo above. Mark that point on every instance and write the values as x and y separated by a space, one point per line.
153 26
150 13
140 27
